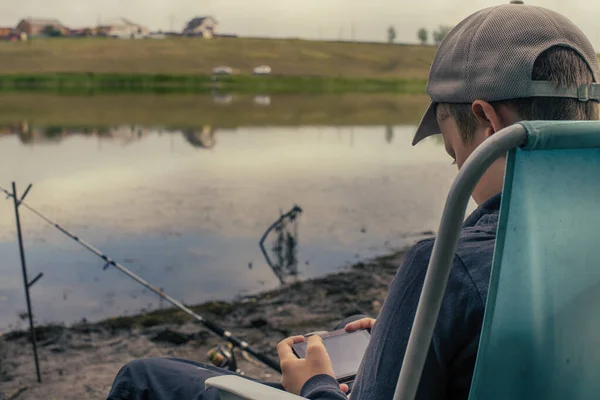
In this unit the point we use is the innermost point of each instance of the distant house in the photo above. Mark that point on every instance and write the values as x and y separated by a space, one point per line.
82 32
201 26
16 36
123 28
12 34
5 32
36 26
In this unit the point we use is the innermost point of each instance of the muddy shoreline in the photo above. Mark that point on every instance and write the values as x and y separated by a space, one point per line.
82 360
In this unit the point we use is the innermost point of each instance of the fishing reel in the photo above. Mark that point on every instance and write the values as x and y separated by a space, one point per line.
223 356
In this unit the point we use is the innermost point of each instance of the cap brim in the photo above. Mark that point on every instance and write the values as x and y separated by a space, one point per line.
428 125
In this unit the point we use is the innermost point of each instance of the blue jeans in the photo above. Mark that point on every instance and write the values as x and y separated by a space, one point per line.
173 378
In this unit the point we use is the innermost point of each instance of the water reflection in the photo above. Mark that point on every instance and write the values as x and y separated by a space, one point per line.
188 221
389 134
46 134
204 137
29 134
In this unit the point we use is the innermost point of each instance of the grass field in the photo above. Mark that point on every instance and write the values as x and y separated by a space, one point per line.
186 64
88 83
186 56
191 111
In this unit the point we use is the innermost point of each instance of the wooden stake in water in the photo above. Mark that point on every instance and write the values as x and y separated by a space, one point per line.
26 282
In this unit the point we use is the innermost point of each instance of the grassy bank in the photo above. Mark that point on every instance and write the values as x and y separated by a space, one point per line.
90 83
185 65
197 111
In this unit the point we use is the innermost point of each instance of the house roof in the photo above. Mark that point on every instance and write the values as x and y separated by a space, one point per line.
196 22
43 22
120 22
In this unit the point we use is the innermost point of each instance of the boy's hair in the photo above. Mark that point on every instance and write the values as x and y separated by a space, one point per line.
561 65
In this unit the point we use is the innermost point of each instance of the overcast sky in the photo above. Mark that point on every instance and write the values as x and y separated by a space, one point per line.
312 19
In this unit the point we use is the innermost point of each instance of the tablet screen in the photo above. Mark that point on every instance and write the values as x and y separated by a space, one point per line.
346 351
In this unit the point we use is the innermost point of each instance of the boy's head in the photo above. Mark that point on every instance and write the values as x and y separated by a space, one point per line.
502 65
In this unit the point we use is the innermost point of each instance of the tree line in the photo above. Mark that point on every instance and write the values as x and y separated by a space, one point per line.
438 35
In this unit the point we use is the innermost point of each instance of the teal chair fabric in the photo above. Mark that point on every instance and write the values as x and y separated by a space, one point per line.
541 331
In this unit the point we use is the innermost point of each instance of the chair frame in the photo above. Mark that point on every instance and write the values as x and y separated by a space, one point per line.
443 252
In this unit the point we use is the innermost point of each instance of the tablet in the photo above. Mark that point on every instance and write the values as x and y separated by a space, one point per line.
345 350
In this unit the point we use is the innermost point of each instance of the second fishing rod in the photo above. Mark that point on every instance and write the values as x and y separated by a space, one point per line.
236 342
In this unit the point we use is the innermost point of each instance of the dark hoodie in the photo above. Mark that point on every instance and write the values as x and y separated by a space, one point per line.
451 359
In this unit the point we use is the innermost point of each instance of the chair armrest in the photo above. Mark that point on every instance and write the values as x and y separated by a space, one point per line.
233 387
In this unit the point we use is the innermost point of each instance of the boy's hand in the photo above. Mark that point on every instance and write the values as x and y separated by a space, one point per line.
365 323
297 371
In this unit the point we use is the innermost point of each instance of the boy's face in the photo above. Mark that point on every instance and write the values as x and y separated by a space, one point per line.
490 122
455 146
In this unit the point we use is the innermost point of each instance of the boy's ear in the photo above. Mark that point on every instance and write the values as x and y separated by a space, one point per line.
487 117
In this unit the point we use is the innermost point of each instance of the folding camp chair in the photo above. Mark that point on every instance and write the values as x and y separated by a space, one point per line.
541 331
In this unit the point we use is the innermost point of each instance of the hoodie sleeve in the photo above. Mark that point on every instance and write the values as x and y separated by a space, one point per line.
322 387
451 357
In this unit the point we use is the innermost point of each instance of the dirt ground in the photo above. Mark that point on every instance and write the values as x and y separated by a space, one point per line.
81 361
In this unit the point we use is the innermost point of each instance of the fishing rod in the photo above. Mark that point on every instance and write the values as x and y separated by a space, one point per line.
244 346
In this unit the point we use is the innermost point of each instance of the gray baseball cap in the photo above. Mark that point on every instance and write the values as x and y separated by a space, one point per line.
490 56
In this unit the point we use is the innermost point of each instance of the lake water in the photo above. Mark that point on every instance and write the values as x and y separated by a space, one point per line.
186 208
